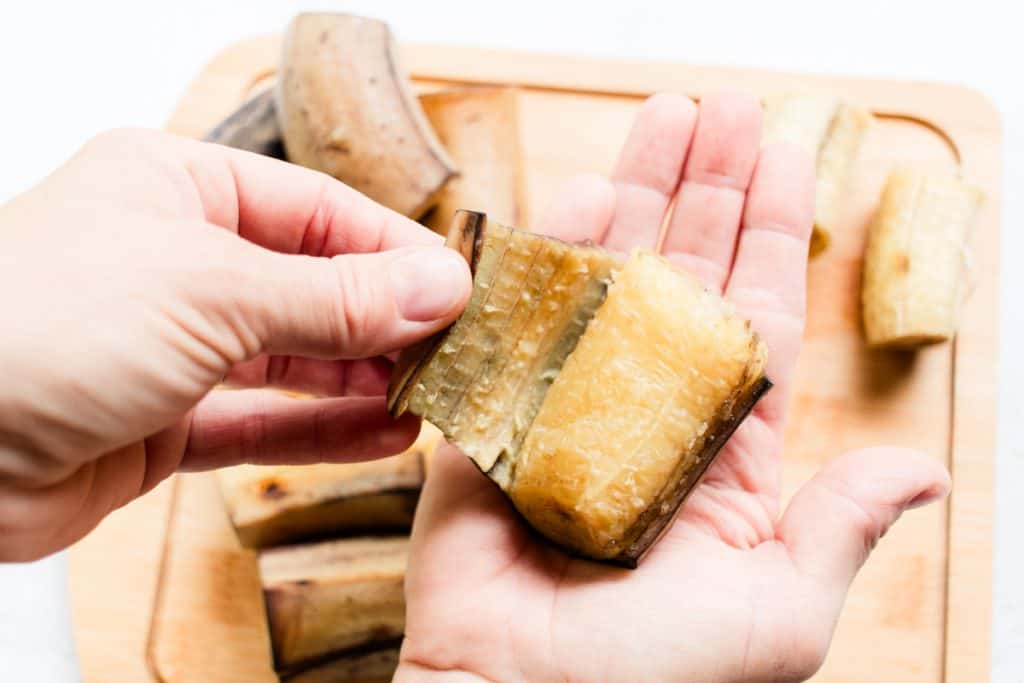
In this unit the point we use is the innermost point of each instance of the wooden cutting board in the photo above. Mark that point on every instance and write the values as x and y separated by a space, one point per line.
920 610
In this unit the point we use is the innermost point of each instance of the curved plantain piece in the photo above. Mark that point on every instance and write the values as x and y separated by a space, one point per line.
345 107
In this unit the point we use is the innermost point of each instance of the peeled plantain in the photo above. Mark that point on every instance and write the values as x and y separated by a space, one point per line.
831 130
335 598
593 393
271 505
914 261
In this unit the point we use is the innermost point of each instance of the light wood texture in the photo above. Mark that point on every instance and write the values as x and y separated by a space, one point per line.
209 622
113 575
921 609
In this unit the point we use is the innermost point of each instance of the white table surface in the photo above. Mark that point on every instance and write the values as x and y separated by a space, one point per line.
73 69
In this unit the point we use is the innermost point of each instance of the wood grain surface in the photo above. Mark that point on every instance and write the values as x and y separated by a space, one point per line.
921 608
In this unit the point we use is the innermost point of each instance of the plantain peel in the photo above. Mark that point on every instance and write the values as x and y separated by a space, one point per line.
594 393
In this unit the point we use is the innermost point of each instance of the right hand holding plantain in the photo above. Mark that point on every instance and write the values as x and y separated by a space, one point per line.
737 590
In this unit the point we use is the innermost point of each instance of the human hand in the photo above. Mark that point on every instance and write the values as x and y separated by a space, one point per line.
148 269
733 591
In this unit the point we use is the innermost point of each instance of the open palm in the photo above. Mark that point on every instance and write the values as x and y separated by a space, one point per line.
733 591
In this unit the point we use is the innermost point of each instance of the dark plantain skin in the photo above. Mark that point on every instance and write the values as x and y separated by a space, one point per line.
252 127
466 237
363 664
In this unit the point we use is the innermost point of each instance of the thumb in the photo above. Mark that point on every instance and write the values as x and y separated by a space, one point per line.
357 305
835 519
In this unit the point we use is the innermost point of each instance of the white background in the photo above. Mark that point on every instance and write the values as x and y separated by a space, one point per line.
72 69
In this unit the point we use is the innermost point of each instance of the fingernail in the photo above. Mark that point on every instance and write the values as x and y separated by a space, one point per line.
429 283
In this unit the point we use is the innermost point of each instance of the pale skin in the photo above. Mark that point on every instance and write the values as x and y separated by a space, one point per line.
150 268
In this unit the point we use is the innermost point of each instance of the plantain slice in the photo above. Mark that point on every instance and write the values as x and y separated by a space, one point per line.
913 282
594 394
272 505
346 107
335 598
480 129
831 130
376 666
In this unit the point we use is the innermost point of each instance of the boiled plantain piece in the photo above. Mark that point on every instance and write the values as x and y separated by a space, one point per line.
480 129
593 393
376 666
272 505
913 282
831 130
252 127
345 107
485 378
334 597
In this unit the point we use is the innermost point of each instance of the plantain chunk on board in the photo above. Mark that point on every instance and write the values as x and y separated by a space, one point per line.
594 393
914 260
272 505
334 601
831 130
376 666
480 129
346 107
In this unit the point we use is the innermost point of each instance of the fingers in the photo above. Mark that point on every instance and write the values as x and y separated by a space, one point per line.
352 306
835 519
702 231
365 377
288 208
264 427
768 278
648 170
280 206
582 210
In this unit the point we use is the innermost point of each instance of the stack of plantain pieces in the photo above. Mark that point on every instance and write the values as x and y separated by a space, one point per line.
333 545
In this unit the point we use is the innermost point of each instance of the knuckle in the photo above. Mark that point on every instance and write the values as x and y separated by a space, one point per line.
353 320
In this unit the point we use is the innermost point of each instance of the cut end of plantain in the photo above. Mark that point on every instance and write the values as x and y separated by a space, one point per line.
480 129
915 257
831 130
334 599
345 107
273 505
594 393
